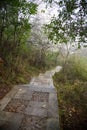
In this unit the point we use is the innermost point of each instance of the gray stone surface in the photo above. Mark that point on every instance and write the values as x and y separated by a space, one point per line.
9 116
12 92
4 102
33 123
10 121
42 88
52 124
37 109
53 106
23 93
31 106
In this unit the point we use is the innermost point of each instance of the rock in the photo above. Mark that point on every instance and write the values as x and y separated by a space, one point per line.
52 124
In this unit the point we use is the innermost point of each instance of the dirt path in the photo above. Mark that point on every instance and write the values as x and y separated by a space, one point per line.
32 106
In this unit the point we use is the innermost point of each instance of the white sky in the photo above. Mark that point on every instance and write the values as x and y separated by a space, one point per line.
49 12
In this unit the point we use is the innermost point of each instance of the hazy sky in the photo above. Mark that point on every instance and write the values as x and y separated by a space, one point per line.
45 14
49 12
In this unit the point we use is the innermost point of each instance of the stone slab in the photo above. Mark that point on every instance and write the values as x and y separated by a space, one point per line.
4 102
53 106
42 88
52 124
23 93
12 92
33 123
37 109
10 121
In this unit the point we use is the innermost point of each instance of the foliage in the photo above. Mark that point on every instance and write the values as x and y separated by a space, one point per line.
52 59
70 24
71 87
26 65
14 29
40 58
14 26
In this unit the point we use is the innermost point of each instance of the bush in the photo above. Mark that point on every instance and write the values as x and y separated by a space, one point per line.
75 68
71 84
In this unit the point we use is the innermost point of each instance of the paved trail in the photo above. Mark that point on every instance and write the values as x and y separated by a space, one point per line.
32 106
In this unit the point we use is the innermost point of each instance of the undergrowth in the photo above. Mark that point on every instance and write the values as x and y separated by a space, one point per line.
71 84
23 68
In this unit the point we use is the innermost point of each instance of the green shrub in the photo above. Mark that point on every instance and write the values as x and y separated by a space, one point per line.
71 85
75 68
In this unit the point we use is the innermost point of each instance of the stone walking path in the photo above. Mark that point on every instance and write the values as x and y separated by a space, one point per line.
32 106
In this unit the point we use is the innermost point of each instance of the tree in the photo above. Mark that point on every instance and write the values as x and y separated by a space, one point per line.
70 25
39 40
69 28
14 25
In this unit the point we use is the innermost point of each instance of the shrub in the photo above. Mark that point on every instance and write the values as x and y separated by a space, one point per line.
71 84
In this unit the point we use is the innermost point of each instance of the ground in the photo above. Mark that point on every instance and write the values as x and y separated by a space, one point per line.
31 107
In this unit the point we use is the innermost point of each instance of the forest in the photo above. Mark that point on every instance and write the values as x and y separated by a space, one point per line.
26 51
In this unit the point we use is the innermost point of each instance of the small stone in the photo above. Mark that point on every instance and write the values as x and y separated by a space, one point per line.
44 106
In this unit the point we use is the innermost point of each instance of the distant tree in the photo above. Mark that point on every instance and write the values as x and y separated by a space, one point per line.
39 40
